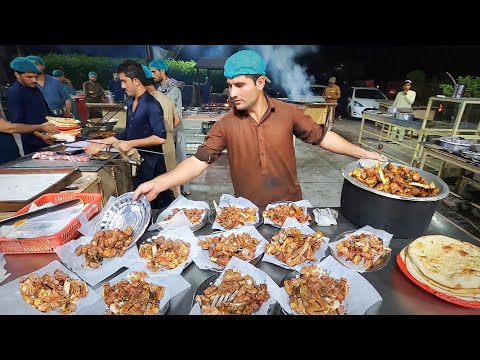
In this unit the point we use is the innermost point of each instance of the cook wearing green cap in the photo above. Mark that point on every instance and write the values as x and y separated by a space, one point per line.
173 89
257 133
68 86
26 104
58 99
94 93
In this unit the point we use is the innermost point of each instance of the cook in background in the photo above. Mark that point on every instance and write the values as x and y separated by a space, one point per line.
144 129
115 86
68 86
94 93
172 88
26 104
257 133
170 119
332 92
57 98
404 99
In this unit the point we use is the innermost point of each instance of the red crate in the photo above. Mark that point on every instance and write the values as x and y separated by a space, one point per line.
47 244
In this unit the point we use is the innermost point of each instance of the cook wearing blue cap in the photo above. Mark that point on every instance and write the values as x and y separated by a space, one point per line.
257 135
245 62
58 73
37 59
94 94
158 64
148 72
92 73
24 65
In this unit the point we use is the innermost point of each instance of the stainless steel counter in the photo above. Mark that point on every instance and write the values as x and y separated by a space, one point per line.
400 295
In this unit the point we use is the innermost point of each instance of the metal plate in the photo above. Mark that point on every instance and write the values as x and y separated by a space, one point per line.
309 212
381 262
210 280
123 211
254 261
213 215
195 227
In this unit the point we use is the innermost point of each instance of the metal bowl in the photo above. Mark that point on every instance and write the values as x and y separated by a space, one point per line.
381 262
122 212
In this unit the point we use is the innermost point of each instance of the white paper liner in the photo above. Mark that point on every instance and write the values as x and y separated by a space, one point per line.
12 303
92 276
305 203
178 220
325 216
183 233
382 234
202 257
174 285
240 202
89 227
361 294
258 275
319 254
45 225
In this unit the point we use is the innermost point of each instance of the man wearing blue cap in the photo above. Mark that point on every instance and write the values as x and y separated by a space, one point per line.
173 89
94 93
115 86
53 91
145 129
68 86
26 104
257 133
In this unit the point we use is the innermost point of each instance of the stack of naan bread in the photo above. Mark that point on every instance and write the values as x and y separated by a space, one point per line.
67 126
446 265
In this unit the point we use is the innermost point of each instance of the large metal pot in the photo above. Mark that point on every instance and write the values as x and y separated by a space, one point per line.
455 144
405 116
403 216
392 109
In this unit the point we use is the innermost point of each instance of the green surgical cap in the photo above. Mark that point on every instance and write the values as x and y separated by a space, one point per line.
36 59
245 62
148 73
24 65
58 73
92 73
159 65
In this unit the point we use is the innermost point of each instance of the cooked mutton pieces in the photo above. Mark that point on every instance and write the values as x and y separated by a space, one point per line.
222 248
316 293
279 213
363 246
194 215
162 253
56 292
231 216
293 247
397 180
105 244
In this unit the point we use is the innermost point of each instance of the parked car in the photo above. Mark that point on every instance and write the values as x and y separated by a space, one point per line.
361 99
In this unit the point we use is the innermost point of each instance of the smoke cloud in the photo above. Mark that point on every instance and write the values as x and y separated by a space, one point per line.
284 70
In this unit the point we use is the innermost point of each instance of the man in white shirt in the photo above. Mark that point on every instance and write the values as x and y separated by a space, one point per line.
404 99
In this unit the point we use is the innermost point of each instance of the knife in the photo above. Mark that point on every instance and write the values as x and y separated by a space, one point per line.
39 212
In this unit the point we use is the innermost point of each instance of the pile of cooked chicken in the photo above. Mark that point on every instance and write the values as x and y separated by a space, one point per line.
362 246
231 216
162 253
236 295
195 216
293 247
279 213
397 180
53 292
316 293
222 248
133 298
105 244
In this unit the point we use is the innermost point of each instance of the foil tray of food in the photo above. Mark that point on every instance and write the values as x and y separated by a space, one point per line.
198 217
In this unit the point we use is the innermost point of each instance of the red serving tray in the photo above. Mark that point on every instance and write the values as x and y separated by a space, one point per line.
452 299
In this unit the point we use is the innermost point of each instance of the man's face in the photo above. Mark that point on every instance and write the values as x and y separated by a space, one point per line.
92 78
244 93
157 74
27 79
407 86
115 76
130 85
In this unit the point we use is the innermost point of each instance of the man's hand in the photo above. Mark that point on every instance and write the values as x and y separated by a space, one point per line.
125 146
49 128
150 189
405 92
46 139
93 148
375 156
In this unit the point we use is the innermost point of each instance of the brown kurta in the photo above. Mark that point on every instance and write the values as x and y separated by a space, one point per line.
261 156
333 91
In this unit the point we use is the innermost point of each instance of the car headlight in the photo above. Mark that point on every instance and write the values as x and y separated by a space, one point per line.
356 103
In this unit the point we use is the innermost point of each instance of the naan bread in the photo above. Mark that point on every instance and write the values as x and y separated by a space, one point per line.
451 263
